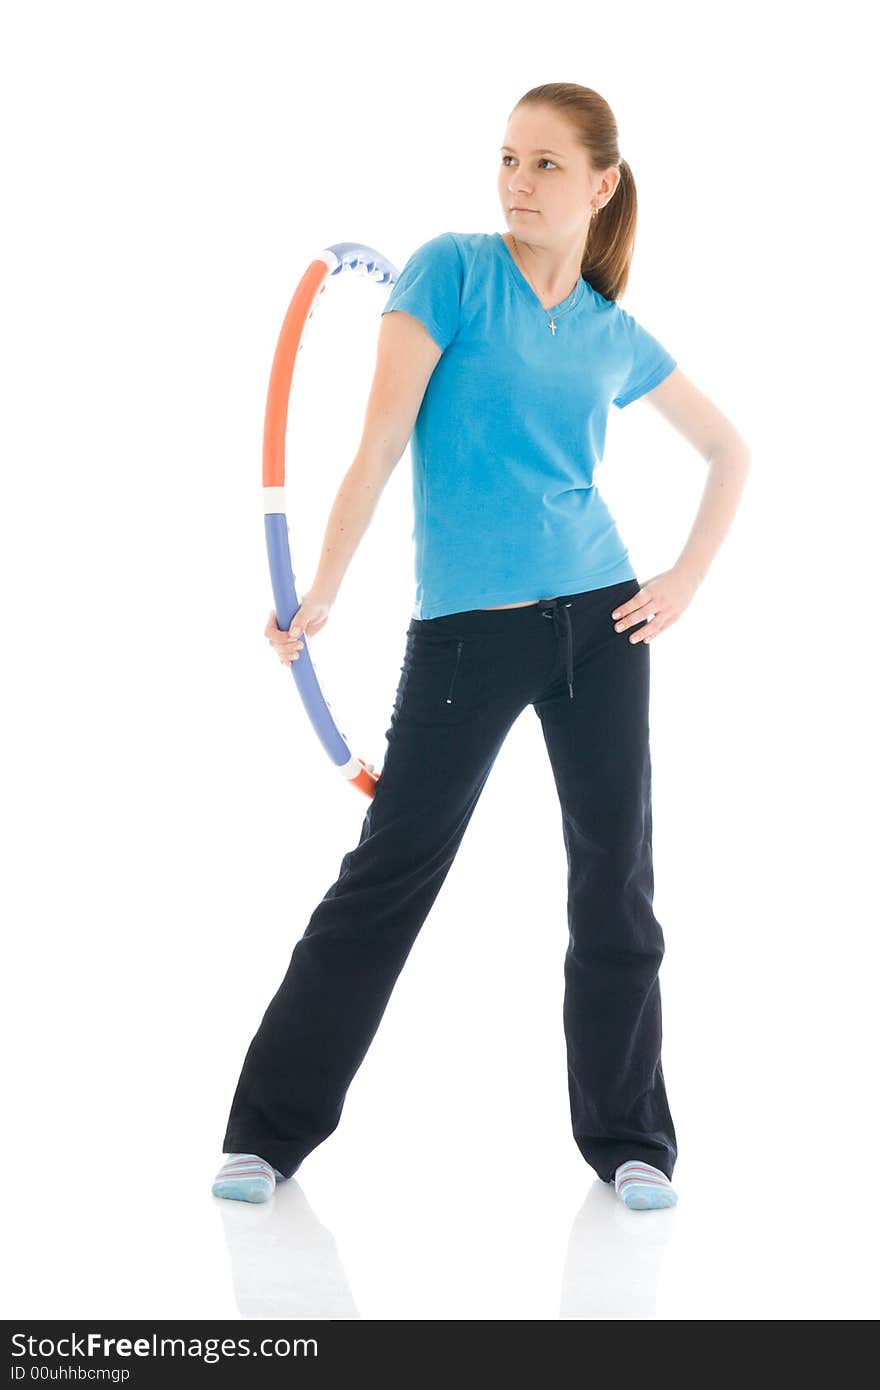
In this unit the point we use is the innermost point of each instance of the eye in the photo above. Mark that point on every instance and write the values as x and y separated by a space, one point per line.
542 160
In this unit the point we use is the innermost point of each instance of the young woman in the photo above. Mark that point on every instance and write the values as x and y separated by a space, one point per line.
501 355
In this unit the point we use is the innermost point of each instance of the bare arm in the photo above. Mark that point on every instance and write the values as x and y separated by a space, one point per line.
701 422
664 597
405 359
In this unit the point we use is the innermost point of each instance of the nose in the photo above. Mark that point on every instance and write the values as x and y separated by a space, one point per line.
519 192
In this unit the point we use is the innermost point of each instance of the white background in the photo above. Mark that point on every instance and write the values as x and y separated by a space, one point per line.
170 819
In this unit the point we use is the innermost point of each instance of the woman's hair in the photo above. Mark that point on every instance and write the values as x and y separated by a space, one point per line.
610 239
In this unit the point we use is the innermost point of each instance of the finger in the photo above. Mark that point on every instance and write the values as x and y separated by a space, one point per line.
650 630
638 615
631 604
643 619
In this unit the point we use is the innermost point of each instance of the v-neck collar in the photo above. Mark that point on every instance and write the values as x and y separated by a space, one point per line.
520 279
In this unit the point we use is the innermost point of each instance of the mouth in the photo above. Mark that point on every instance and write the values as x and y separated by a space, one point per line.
523 209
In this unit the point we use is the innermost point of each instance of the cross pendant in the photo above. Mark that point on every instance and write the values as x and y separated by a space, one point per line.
552 327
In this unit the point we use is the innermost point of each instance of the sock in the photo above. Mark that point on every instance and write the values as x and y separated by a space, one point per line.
642 1186
245 1178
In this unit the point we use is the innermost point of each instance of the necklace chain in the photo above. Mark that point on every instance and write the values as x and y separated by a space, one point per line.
551 322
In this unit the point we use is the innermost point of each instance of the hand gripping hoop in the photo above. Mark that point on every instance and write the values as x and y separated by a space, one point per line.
363 260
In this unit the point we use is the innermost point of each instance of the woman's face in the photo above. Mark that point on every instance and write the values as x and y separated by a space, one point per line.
545 172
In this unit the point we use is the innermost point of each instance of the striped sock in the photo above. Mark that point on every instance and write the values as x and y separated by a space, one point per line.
245 1178
642 1186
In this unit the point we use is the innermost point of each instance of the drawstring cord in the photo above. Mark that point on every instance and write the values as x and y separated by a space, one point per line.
553 610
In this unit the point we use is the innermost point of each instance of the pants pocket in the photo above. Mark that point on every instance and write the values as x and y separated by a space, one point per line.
459 646
436 676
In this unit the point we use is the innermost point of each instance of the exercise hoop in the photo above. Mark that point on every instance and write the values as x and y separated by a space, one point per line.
358 259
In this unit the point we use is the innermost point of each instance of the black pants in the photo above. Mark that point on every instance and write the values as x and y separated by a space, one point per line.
465 678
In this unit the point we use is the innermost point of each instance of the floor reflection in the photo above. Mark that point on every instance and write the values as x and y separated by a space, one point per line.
285 1263
614 1256
284 1260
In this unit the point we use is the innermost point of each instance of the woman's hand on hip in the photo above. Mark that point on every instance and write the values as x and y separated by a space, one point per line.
659 602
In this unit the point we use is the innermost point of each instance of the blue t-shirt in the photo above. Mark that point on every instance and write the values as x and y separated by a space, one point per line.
511 428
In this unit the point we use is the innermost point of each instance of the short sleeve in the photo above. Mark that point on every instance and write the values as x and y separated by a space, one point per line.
650 363
429 287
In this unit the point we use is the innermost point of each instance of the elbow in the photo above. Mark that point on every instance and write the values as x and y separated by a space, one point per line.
733 451
373 465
